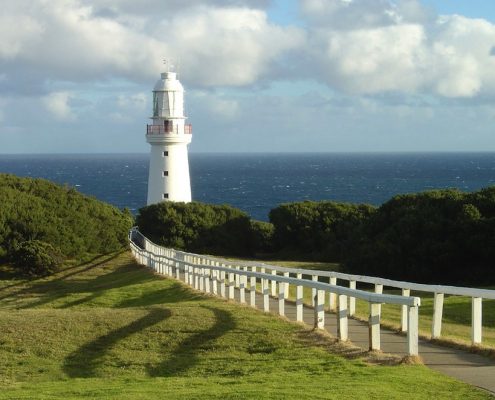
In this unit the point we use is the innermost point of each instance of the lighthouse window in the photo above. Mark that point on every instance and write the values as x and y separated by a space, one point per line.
165 173
165 195
165 154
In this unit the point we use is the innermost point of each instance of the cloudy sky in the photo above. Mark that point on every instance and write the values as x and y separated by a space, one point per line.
260 75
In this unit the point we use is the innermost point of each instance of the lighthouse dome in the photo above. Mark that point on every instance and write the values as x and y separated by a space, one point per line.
168 82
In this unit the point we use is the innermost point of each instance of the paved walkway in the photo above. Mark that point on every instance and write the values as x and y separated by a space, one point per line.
462 365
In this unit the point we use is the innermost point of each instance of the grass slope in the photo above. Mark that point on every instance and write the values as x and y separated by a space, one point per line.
113 330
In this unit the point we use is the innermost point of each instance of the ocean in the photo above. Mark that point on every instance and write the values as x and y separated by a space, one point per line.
257 183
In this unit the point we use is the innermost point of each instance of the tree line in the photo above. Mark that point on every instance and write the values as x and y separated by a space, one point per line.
440 236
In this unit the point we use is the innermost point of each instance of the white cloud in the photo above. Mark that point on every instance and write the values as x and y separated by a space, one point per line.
57 103
399 47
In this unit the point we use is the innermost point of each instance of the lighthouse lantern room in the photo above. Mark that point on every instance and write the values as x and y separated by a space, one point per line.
168 136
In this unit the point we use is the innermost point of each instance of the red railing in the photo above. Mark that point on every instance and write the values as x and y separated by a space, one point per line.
165 129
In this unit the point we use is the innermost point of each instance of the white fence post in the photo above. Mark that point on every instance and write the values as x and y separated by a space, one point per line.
352 300
319 309
332 297
299 301
436 323
237 278
412 331
342 321
286 284
476 320
242 287
231 283
314 278
274 284
403 323
207 280
252 289
374 326
379 290
266 298
281 299
222 283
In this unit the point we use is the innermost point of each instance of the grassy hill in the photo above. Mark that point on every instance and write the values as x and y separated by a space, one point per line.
73 223
110 329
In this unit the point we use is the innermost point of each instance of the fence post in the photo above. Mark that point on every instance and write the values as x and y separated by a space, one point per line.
403 324
231 283
215 279
299 301
207 280
252 288
374 326
265 289
186 273
412 331
332 297
436 323
314 278
476 320
201 271
242 287
342 327
286 284
319 309
379 290
222 283
274 284
237 278
281 298
352 300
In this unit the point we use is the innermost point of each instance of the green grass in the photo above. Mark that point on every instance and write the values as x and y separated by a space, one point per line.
456 322
113 330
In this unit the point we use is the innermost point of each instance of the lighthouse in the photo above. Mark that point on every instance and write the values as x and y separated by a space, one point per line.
168 135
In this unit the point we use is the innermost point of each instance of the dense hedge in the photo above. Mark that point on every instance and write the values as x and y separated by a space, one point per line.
441 236
319 230
74 224
198 227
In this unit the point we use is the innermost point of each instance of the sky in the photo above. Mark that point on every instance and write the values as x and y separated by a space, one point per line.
260 75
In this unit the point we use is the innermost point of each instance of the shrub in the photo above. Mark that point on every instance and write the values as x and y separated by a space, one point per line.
441 236
198 227
36 209
318 230
36 258
262 233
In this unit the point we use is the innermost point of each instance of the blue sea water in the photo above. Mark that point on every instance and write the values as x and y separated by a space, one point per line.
256 183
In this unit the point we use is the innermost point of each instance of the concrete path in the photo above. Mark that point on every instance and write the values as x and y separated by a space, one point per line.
467 367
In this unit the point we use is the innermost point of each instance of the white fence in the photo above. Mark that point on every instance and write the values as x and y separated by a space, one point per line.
221 277
438 291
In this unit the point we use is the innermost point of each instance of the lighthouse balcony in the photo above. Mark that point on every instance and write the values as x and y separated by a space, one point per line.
167 129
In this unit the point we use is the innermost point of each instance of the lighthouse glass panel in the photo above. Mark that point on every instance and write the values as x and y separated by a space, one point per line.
155 104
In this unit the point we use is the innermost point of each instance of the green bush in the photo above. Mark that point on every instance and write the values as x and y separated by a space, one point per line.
198 227
36 209
441 236
319 230
36 258
262 233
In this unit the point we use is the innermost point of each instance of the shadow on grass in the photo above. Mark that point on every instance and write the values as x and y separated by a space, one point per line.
45 285
185 356
84 362
126 275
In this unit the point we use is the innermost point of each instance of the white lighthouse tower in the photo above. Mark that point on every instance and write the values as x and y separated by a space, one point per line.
168 136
